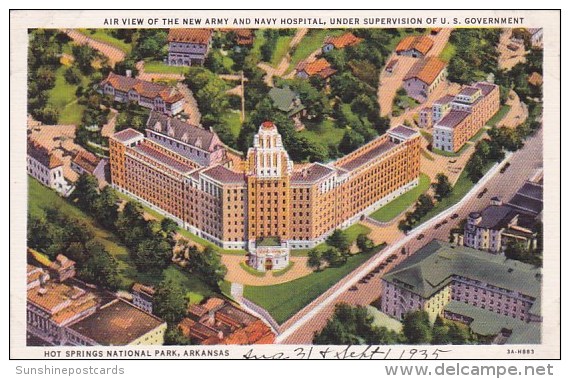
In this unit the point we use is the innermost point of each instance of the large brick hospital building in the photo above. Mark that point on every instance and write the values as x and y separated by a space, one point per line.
265 204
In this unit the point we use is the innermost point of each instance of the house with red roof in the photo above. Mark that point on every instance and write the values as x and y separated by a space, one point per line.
218 322
188 47
320 67
424 77
85 162
340 42
47 168
414 46
155 96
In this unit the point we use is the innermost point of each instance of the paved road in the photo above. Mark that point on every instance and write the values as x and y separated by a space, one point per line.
300 329
112 53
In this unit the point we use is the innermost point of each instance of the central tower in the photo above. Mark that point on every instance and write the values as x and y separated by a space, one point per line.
268 180
269 172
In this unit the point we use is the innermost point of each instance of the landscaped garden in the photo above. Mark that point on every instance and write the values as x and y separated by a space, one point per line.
389 211
282 301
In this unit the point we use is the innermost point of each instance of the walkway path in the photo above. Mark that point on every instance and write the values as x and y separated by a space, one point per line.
112 53
190 106
285 62
517 114
237 274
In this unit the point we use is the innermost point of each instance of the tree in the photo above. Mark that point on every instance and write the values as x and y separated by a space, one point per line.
423 205
152 254
351 140
100 268
86 192
169 227
105 207
442 187
364 243
475 168
45 78
353 326
84 55
169 301
40 234
333 257
404 226
72 75
417 328
174 337
339 240
314 260
207 264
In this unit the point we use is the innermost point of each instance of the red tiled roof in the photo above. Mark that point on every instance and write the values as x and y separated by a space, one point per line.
61 262
143 88
315 67
423 44
198 36
426 70
347 39
42 155
86 161
137 287
255 333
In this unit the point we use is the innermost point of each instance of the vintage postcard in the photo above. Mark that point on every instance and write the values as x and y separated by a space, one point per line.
285 184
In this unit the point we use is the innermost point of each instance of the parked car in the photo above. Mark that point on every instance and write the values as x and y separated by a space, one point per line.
482 193
454 216
353 288
437 226
444 222
505 167
420 237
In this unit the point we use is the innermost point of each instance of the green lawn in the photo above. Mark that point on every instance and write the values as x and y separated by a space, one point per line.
462 186
448 52
233 120
401 203
250 270
311 41
103 35
282 301
258 41
283 271
162 68
502 112
40 198
352 232
62 97
281 48
325 133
